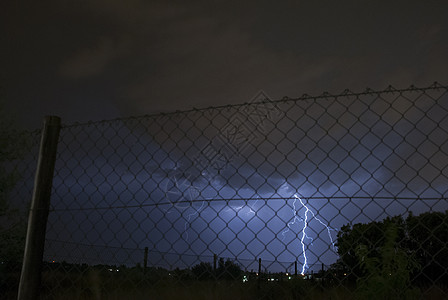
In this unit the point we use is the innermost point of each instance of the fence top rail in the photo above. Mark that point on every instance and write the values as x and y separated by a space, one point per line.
304 97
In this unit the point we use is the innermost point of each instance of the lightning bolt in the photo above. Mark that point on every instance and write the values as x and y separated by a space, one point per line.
193 192
247 205
182 189
304 228
305 225
196 212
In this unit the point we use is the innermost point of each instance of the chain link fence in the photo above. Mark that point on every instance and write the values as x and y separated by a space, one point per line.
335 196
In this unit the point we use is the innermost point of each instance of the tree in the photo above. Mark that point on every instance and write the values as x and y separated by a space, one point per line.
423 238
228 269
14 144
203 271
387 276
428 239
371 235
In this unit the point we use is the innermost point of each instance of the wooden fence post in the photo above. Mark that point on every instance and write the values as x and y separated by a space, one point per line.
29 286
145 260
215 259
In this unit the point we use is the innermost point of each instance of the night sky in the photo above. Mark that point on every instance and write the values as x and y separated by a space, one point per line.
126 184
98 59
94 60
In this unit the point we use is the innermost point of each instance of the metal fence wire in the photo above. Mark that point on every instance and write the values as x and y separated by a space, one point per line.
335 196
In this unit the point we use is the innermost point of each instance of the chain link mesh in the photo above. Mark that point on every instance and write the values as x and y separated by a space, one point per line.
322 197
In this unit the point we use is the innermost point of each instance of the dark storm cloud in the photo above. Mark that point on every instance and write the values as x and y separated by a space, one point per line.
102 59
369 145
91 61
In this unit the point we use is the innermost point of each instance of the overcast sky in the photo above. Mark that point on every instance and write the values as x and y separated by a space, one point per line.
97 59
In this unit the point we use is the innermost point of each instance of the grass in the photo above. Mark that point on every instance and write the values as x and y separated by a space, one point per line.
95 284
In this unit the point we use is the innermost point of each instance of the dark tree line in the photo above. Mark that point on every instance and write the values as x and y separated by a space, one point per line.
418 244
14 144
227 270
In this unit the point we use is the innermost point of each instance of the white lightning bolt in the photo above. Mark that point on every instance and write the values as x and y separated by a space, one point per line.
304 228
305 225
182 189
247 205
189 218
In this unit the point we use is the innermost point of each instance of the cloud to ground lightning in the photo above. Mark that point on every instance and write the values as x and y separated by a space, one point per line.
305 221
